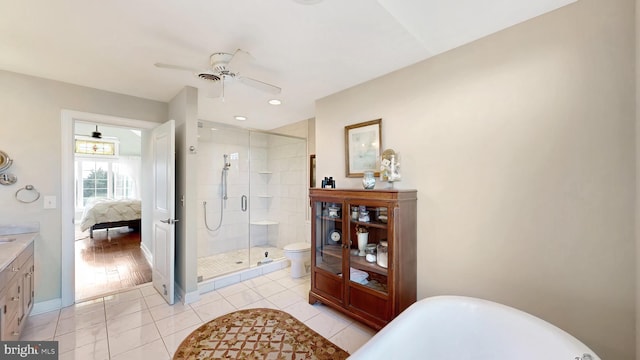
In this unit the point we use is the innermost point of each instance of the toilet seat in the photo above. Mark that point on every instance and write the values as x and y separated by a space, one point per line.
297 247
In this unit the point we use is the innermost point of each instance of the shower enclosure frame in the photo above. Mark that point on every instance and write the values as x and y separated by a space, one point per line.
266 201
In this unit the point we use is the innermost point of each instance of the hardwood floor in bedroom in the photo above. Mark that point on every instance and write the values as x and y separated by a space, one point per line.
109 263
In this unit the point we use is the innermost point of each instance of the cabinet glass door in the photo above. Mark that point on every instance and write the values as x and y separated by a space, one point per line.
369 250
329 236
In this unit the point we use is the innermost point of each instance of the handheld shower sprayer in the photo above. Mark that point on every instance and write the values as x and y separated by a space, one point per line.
227 163
223 198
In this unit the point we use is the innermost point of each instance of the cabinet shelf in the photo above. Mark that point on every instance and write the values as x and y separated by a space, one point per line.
359 262
356 261
329 218
332 250
372 224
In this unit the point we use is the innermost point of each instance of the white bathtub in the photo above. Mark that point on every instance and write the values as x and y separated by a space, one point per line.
461 328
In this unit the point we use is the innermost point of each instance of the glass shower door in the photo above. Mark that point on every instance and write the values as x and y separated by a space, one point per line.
223 192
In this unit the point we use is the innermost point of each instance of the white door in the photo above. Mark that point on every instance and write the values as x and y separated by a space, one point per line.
163 233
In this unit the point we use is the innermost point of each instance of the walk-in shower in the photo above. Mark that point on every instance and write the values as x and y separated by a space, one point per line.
252 191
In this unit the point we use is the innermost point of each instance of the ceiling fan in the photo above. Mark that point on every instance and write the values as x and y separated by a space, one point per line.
220 71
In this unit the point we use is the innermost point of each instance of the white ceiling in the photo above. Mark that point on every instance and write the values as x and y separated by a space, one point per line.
310 51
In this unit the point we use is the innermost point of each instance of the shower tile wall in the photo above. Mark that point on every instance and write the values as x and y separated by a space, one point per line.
278 189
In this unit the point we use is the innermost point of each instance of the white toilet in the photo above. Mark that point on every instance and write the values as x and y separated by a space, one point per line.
300 256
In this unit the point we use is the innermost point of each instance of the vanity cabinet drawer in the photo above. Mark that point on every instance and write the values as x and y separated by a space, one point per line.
9 272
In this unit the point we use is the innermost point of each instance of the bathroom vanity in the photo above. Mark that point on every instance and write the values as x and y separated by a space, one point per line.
372 286
16 282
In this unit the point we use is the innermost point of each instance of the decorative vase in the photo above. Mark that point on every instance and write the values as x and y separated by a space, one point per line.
368 181
362 243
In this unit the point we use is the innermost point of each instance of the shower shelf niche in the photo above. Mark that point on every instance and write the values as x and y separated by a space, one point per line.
265 172
264 196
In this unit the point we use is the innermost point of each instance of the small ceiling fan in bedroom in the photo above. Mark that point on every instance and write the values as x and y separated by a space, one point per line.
219 70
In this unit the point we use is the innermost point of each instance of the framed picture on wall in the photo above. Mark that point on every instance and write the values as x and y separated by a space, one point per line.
312 170
362 147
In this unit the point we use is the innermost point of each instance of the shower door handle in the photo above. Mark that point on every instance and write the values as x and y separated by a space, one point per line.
243 202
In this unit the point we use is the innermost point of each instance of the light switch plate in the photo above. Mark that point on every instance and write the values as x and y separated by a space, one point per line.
50 202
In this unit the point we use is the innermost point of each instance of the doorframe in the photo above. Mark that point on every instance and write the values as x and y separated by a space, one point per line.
68 118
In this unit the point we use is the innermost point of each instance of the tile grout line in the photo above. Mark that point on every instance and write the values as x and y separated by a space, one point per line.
106 328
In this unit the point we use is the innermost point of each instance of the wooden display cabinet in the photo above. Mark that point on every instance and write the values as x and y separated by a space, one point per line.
345 280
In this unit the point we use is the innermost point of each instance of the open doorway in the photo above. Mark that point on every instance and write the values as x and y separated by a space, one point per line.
84 124
109 255
157 195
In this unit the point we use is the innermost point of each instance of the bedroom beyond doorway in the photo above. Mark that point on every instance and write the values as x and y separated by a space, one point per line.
107 206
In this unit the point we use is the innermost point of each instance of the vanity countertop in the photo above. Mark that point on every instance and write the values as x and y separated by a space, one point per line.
10 250
24 235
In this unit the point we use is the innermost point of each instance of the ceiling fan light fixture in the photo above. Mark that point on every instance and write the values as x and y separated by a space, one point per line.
96 134
240 118
275 102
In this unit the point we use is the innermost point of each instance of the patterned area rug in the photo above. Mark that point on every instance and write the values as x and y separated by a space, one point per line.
257 334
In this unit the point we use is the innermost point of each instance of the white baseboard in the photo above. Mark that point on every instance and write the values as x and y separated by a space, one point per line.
191 297
186 298
46 306
147 253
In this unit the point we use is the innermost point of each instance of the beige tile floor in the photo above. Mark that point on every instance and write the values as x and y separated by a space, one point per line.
138 324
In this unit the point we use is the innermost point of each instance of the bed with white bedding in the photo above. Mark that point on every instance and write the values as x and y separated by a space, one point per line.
105 214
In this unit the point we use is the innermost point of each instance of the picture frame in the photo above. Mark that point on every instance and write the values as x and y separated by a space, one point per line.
312 170
362 143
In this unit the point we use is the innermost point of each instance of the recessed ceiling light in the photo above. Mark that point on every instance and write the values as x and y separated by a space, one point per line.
275 102
241 118
308 2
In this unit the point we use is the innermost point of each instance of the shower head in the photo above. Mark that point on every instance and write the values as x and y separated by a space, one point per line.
227 163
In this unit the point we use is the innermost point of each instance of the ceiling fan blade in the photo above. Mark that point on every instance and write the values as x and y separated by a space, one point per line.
176 67
239 60
260 85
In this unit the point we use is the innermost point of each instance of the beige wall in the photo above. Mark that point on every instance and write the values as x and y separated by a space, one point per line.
30 123
521 146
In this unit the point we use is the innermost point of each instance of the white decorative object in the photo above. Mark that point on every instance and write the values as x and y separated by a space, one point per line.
390 167
368 180
363 238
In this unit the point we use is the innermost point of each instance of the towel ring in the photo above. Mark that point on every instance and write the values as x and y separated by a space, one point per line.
28 188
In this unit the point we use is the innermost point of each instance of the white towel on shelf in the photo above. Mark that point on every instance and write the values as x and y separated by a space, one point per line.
358 276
